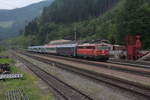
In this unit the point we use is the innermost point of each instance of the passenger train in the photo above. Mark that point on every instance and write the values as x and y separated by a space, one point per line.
95 51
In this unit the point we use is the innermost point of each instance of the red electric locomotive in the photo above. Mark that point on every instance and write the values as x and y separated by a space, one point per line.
96 51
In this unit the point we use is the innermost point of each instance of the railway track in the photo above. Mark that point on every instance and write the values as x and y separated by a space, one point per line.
141 64
17 94
143 71
64 90
127 85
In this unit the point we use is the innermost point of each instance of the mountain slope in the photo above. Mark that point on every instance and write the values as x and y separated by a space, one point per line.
12 21
119 19
67 11
57 20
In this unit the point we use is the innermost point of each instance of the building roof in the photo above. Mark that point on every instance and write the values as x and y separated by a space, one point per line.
60 41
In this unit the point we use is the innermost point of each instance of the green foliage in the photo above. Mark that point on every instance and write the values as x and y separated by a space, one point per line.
29 83
134 19
92 19
12 21
67 11
6 24
2 48
21 42
64 16
6 61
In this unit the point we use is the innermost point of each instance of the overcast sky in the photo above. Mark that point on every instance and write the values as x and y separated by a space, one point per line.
11 4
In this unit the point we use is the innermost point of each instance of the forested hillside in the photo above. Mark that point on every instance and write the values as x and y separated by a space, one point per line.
91 19
12 21
57 20
68 11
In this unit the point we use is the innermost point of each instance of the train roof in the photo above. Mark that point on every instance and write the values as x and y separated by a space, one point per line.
57 42
36 47
88 44
67 45
49 45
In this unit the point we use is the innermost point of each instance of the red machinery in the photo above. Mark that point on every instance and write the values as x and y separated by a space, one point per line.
133 46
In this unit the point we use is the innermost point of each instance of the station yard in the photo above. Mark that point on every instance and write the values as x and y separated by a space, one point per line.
29 83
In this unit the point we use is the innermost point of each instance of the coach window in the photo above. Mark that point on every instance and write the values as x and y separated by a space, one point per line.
90 47
80 47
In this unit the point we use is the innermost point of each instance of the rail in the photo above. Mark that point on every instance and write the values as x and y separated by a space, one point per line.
117 82
66 91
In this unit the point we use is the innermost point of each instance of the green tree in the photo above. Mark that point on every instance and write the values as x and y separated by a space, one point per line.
133 19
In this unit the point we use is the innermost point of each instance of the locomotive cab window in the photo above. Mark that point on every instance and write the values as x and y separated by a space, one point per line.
86 47
90 47
103 48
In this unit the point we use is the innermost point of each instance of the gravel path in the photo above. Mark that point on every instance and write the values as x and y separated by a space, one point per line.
99 91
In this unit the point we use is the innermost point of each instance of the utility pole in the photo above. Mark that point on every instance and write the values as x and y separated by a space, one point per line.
75 33
47 37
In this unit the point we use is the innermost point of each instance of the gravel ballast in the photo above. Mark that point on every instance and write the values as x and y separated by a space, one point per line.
98 91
